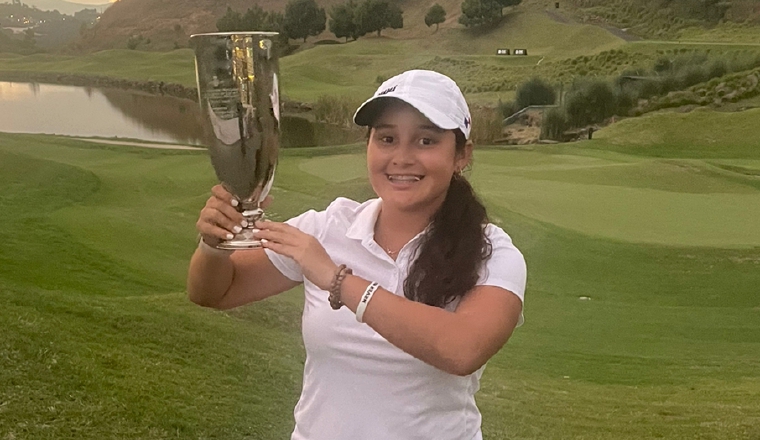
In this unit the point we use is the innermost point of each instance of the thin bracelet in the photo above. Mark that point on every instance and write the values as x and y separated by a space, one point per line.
334 297
371 289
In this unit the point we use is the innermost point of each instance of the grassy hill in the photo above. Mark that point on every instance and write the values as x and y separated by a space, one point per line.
158 21
659 19
169 24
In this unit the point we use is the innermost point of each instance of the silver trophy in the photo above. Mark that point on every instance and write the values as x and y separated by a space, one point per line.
240 110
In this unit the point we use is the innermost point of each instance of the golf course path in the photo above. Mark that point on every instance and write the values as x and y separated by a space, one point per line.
140 144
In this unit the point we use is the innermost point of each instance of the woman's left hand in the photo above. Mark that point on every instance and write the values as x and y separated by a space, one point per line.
316 264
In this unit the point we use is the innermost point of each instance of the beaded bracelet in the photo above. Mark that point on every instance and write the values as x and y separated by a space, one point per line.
340 275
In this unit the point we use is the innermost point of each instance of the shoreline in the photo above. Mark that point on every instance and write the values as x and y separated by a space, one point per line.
82 80
148 86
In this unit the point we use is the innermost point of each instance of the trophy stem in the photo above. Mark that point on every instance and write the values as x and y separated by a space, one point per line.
245 239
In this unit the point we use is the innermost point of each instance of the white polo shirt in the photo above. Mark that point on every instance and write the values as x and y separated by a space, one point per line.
356 384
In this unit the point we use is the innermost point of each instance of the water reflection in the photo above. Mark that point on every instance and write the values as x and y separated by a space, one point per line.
86 111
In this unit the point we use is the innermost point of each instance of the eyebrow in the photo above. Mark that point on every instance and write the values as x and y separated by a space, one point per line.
430 127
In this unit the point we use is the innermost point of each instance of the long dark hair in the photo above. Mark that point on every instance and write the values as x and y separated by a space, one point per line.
452 250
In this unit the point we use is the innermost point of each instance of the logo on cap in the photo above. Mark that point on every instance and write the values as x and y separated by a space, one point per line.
386 91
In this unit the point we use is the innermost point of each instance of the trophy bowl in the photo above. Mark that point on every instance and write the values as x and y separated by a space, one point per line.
239 99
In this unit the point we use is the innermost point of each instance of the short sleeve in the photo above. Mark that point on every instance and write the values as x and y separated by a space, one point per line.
506 267
311 222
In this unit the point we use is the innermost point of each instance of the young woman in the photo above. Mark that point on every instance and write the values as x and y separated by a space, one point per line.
407 295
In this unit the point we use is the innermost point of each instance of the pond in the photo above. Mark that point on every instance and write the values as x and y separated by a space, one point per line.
90 111
86 111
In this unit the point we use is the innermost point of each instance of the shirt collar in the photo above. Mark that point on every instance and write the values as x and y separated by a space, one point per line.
363 226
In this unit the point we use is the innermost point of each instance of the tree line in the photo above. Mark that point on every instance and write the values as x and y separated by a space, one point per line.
352 19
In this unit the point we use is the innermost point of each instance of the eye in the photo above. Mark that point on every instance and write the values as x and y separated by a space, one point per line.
427 141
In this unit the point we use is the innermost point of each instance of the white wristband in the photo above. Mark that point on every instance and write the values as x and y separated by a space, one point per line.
211 250
365 300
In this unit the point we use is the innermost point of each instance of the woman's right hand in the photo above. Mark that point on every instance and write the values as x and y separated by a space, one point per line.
219 219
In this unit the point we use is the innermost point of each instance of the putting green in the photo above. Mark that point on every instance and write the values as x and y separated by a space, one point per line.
339 168
678 203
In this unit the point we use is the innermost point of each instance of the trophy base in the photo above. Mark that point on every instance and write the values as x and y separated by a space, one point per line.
241 241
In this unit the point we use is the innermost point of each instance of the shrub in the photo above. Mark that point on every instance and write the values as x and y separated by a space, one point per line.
338 110
624 102
663 64
506 109
134 41
692 75
717 69
535 92
554 124
590 102
296 132
486 125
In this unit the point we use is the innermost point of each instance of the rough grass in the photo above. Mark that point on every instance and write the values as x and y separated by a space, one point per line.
99 342
698 134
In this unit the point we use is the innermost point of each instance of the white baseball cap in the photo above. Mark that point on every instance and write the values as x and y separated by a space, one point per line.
434 95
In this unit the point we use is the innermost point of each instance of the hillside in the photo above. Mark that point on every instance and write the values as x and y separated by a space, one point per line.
664 18
64 7
168 24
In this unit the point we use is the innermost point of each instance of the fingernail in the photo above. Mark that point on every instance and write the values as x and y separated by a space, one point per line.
230 236
237 229
234 202
244 223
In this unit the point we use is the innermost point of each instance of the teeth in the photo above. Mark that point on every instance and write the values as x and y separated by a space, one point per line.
404 177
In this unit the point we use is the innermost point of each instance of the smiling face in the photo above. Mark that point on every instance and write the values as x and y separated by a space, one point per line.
410 160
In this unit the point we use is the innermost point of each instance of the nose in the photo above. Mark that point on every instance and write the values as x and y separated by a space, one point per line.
403 154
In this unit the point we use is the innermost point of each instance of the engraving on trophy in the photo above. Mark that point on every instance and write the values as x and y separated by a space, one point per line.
239 99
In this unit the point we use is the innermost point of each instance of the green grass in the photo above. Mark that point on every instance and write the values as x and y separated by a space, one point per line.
99 341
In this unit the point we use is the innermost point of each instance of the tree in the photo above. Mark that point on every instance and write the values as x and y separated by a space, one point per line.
376 15
507 3
230 21
303 18
480 12
435 16
29 40
254 19
343 21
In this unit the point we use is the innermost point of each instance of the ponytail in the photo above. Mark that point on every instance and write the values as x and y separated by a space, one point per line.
451 252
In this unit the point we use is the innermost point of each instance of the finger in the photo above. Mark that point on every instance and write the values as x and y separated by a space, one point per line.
226 209
277 226
276 236
212 233
218 218
216 234
222 194
279 248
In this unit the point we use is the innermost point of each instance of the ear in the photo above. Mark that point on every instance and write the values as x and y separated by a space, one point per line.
465 158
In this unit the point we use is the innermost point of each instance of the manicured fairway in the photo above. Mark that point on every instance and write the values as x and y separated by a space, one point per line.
634 329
